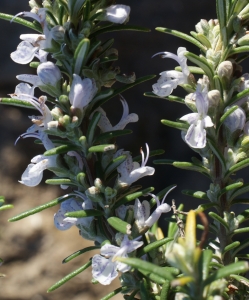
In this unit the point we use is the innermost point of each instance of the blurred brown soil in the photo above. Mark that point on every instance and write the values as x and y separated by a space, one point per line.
32 248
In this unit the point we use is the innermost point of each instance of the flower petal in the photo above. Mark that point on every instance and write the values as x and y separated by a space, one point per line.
103 269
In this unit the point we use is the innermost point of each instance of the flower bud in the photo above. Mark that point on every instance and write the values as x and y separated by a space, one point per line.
214 98
49 73
236 120
99 184
225 69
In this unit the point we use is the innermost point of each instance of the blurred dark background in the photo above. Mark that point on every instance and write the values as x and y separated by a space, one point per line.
135 52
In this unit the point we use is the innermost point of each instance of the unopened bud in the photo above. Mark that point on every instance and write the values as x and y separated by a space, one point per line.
49 73
99 184
115 13
225 69
94 194
214 98
236 120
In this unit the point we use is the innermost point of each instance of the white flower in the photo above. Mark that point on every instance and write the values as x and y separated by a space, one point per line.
105 125
33 44
116 13
63 223
33 174
142 211
131 171
105 268
169 80
196 134
47 74
26 52
25 92
82 91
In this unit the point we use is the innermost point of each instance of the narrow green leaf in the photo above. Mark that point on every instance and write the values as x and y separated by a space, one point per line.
165 290
40 208
219 219
146 267
202 63
93 47
111 135
80 55
204 40
237 50
238 267
61 149
133 196
170 98
163 162
154 245
59 181
244 189
79 252
105 94
119 225
119 28
190 166
243 216
16 102
101 148
221 14
182 36
192 69
84 213
143 287
240 201
178 125
92 127
230 247
114 293
69 276
217 84
114 164
243 245
241 230
230 187
123 89
4 207
240 165
237 97
205 259
195 194
205 206
21 21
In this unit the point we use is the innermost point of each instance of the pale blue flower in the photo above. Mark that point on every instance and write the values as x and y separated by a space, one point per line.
82 91
105 125
142 211
196 134
33 174
236 120
63 223
105 268
169 80
132 171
